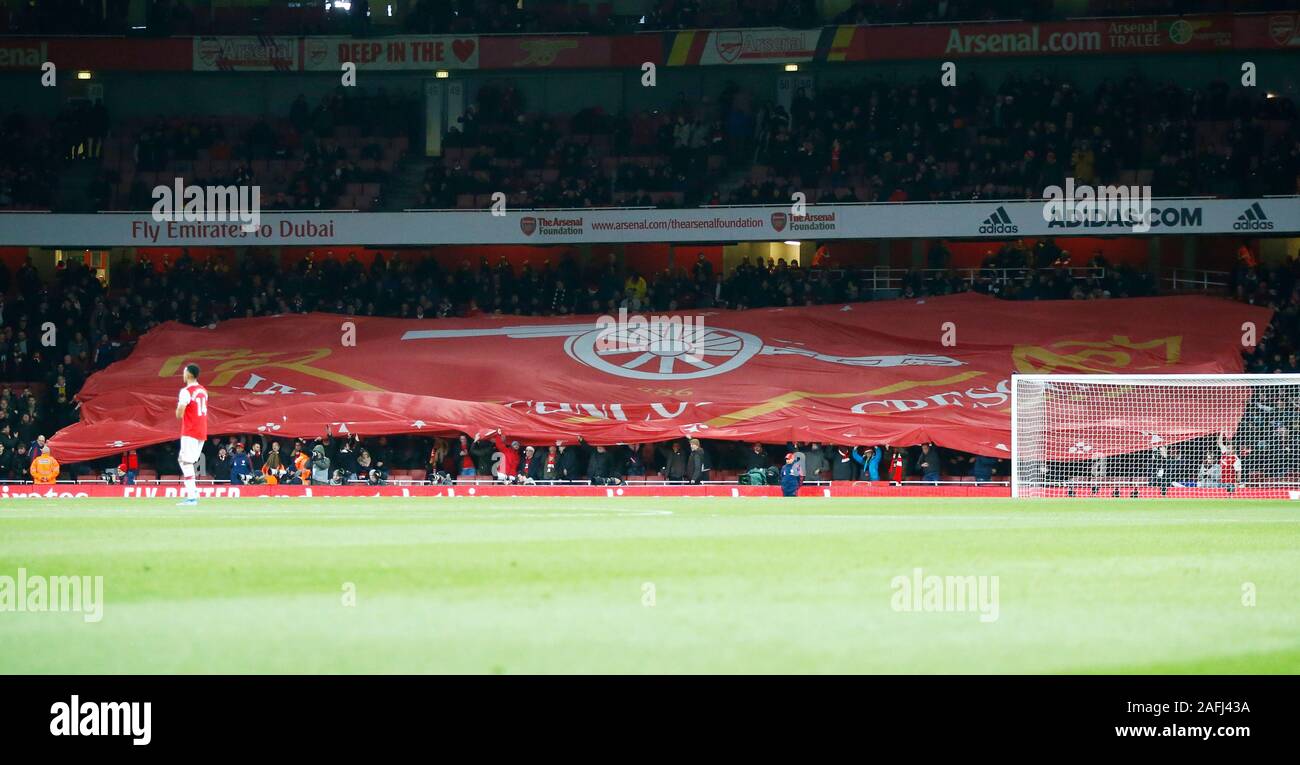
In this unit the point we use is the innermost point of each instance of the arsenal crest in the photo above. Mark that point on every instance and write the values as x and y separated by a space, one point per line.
1282 29
528 225
209 51
778 221
317 52
728 44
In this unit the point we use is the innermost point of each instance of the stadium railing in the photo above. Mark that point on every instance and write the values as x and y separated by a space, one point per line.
1186 279
887 278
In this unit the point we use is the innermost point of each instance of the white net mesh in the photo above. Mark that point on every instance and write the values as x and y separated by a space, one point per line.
1153 435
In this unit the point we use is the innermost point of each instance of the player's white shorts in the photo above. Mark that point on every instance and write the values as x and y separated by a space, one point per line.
190 449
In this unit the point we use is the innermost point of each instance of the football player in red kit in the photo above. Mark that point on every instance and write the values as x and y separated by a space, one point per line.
192 411
1229 464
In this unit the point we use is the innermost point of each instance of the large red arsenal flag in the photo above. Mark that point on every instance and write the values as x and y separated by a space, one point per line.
897 372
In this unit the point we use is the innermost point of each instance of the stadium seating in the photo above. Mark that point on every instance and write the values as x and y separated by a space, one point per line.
951 149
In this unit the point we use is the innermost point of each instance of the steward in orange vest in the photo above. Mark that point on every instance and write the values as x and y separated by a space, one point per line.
44 469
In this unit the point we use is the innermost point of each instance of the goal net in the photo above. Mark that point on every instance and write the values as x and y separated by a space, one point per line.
1143 435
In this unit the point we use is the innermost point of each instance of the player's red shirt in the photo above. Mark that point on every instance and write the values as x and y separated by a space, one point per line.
194 422
1229 466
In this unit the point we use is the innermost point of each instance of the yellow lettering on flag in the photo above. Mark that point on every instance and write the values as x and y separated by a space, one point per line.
234 361
786 399
1096 356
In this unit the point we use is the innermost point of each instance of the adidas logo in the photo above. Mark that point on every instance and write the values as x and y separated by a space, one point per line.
1253 219
999 223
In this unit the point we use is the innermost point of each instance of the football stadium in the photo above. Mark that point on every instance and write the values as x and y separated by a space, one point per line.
649 337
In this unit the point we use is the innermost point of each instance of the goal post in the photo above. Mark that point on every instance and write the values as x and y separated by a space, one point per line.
1141 435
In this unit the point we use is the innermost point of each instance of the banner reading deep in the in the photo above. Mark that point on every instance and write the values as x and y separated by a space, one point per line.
897 372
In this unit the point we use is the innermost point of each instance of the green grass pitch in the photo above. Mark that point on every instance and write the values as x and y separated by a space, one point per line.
485 585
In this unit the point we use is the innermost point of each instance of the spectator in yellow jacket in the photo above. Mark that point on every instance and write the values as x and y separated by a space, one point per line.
635 286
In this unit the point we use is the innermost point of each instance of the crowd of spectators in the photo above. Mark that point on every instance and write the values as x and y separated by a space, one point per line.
202 292
870 142
702 14
32 150
185 17
25 418
45 332
591 157
876 141
1278 288
340 460
79 130
319 150
880 141
50 361
28 165
94 327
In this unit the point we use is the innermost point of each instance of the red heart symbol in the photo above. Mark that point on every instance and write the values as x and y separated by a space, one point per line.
463 49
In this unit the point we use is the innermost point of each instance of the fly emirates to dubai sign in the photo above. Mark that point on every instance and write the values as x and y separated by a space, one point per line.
608 225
